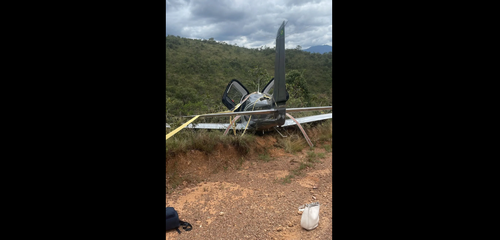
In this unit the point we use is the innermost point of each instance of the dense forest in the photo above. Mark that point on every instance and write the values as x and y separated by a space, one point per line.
197 72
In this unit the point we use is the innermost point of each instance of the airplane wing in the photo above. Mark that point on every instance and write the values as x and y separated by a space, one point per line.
290 122
308 109
227 114
240 126
221 126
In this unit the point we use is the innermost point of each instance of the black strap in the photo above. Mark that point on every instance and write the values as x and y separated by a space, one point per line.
186 226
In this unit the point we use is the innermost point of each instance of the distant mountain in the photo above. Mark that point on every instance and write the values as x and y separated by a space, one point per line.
319 49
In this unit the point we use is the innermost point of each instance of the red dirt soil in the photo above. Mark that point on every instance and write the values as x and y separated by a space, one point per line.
228 195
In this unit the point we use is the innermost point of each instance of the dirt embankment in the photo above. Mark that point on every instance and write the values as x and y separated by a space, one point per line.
228 195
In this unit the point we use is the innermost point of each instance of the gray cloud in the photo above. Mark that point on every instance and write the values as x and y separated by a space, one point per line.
252 24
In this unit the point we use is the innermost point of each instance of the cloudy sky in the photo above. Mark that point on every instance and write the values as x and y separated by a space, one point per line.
252 23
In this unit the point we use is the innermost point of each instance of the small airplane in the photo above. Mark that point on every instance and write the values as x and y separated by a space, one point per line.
260 110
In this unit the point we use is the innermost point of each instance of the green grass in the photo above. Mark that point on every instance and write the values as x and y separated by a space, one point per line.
327 147
314 157
292 143
311 159
205 141
295 172
287 179
320 133
325 131
302 167
264 157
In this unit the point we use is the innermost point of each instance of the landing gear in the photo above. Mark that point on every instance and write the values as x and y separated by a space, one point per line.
259 133
275 128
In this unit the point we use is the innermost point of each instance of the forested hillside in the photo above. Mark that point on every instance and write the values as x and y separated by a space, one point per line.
198 71
319 49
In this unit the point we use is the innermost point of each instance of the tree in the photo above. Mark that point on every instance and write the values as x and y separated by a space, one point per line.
298 47
259 74
296 86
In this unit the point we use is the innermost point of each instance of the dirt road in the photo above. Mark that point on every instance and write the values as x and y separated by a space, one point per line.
250 200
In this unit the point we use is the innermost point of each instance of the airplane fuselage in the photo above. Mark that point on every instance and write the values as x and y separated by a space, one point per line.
258 101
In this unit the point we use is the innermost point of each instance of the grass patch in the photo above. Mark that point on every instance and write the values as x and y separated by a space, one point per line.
205 141
312 157
325 131
264 157
292 144
295 172
320 133
242 143
327 147
302 167
189 139
287 179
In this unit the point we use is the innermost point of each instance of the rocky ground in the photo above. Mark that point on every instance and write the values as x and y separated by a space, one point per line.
247 198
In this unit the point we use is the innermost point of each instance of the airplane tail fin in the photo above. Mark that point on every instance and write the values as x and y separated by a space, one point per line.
279 93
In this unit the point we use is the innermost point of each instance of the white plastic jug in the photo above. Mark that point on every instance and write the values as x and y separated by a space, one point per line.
310 215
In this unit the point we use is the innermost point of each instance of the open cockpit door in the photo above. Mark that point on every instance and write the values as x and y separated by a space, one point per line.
268 89
234 93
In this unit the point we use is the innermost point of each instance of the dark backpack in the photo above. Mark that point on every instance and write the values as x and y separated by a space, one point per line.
174 222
